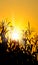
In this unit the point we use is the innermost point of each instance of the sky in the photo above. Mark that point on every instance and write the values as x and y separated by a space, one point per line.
20 12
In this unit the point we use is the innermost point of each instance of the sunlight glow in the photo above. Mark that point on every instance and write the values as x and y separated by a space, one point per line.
16 35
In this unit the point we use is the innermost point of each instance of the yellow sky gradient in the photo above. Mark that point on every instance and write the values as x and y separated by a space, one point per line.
20 12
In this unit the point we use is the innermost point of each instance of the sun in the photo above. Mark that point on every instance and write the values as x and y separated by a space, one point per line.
15 35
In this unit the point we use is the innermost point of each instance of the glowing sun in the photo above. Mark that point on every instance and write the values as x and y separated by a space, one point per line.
15 35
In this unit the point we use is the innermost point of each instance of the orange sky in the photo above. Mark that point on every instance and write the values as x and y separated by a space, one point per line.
20 12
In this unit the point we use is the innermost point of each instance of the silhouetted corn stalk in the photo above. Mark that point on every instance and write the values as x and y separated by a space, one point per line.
3 33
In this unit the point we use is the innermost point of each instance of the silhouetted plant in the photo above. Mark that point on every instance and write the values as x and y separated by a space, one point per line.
3 33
